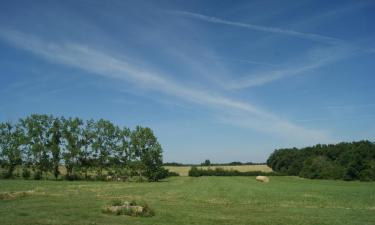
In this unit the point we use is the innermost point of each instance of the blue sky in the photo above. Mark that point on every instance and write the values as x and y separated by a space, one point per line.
224 80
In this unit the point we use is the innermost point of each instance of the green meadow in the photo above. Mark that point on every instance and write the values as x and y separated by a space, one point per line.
189 200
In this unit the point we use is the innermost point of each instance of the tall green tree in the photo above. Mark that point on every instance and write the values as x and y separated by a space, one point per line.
104 143
36 128
54 146
72 134
122 153
86 157
148 151
11 141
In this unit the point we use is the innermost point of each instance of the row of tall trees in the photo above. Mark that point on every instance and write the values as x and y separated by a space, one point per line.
346 161
43 144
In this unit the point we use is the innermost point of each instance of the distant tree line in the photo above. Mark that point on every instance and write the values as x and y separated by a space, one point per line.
42 145
198 172
346 161
207 162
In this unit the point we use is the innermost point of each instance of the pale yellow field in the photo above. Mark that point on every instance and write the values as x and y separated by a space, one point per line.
183 170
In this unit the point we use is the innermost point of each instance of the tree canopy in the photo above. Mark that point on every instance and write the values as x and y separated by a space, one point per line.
346 161
43 144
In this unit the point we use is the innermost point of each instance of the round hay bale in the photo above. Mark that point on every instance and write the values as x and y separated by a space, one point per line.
263 179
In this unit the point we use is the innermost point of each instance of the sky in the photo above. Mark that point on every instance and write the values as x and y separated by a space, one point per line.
219 80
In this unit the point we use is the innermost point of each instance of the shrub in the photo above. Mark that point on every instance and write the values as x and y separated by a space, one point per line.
73 176
194 172
173 174
38 175
367 175
26 174
7 175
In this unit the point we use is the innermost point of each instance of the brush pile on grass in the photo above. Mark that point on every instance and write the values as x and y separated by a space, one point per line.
132 208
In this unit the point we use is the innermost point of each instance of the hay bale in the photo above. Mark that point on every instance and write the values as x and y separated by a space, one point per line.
262 179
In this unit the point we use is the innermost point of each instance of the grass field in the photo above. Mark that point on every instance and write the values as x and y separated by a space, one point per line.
183 170
187 200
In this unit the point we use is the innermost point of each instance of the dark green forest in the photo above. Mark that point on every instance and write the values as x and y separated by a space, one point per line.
40 146
344 161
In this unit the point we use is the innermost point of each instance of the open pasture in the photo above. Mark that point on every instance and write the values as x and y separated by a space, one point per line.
188 200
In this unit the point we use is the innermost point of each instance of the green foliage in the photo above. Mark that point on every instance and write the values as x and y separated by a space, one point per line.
148 151
36 129
198 172
45 143
26 174
38 175
346 161
11 140
54 145
72 134
173 174
206 162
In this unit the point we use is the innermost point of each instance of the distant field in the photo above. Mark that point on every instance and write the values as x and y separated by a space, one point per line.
183 170
193 200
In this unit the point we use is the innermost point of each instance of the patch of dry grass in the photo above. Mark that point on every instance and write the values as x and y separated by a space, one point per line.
15 195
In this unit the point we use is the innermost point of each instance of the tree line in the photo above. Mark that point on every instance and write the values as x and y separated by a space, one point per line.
345 161
218 171
43 145
207 162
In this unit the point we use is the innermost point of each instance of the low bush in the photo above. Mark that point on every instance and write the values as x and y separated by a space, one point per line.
74 176
26 174
38 175
173 174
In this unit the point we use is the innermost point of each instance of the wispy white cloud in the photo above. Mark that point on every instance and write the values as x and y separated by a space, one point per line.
105 65
309 36
243 61
315 59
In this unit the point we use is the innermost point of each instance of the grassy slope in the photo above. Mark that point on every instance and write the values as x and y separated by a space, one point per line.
186 200
183 170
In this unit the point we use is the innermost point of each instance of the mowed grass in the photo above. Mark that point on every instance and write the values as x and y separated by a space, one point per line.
184 170
189 200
